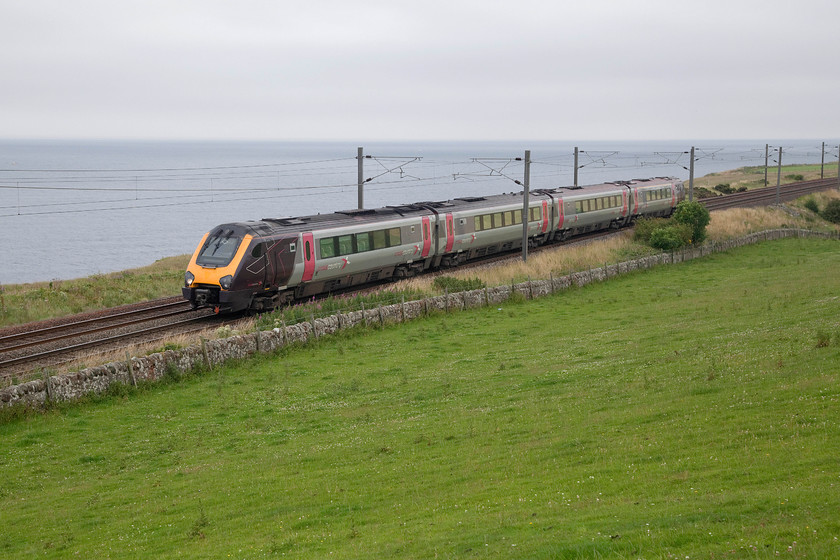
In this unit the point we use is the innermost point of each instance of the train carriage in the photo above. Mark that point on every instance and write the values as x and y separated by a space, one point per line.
655 197
592 208
376 244
479 226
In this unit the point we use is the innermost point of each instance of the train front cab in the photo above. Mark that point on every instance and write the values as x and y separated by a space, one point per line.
209 279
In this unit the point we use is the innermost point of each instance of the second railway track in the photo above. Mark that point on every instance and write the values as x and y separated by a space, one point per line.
769 195
53 343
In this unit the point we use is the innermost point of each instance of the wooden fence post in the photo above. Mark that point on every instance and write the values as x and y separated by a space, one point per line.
131 367
45 375
206 355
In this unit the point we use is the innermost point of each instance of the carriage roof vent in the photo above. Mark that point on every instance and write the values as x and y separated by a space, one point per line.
437 204
357 211
471 198
287 221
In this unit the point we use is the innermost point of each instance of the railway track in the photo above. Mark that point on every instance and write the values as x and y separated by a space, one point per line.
768 195
50 344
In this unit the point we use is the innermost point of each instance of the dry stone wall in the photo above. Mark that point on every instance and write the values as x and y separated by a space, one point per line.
134 370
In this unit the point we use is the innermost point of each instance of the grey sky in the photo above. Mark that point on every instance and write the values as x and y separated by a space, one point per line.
389 70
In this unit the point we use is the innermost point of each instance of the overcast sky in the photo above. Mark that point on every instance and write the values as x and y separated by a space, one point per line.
391 70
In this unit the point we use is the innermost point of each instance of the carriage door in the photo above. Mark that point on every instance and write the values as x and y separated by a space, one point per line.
450 232
560 214
308 257
427 237
545 216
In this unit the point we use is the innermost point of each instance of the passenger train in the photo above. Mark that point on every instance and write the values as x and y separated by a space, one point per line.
259 265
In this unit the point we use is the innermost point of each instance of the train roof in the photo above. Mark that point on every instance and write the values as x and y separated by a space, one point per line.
612 185
295 224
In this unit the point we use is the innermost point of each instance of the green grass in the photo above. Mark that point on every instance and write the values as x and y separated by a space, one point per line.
22 303
686 411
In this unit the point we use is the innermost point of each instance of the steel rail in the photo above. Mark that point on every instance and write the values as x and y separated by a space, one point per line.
97 342
54 328
765 195
75 334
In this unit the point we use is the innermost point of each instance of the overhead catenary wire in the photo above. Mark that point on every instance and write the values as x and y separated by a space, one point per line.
146 169
159 187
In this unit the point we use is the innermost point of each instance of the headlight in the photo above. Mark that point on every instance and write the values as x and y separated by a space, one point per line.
226 281
189 278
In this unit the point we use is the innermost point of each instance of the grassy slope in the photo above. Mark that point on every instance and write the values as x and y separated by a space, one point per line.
684 411
23 303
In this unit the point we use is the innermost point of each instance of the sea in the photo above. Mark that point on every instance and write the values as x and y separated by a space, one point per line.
75 208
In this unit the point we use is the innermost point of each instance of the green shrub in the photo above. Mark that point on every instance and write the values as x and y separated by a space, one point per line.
645 226
670 237
696 216
703 192
811 204
831 212
724 188
453 285
796 177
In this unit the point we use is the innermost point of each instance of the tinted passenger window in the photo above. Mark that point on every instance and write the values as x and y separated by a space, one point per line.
327 247
362 242
345 245
394 237
379 239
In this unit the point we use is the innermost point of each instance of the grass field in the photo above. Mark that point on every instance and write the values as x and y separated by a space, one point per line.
686 411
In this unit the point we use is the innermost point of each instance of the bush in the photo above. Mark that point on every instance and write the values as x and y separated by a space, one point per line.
454 285
645 226
811 204
670 237
703 192
694 215
724 188
796 177
831 212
